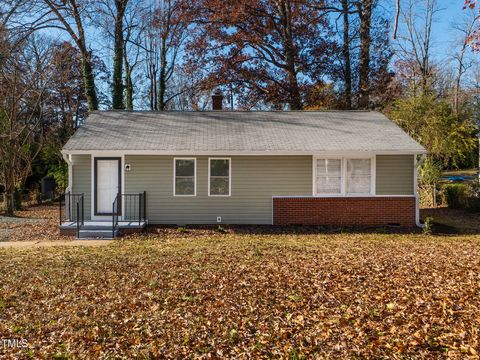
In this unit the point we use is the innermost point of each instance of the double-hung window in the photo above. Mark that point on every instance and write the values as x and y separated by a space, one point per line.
342 176
329 176
185 173
358 176
219 172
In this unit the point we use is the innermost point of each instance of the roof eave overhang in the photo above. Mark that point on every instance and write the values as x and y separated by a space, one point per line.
245 153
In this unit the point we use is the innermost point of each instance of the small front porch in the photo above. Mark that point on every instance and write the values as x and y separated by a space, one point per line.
94 229
128 216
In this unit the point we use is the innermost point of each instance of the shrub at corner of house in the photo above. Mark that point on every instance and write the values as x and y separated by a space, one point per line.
473 197
462 196
455 195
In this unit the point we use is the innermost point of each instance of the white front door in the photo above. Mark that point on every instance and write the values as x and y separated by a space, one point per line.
107 184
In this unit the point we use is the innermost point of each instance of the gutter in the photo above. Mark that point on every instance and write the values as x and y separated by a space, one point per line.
242 152
418 163
68 160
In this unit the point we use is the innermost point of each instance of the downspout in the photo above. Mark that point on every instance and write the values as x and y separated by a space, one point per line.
417 164
68 160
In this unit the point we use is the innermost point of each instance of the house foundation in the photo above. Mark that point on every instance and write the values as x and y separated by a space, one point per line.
345 211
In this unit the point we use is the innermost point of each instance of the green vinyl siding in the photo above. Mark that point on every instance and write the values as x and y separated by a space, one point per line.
254 180
395 175
82 180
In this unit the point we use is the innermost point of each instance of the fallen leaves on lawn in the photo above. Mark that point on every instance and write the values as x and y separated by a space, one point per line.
38 223
246 296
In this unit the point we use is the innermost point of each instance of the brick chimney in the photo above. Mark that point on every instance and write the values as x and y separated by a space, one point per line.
217 100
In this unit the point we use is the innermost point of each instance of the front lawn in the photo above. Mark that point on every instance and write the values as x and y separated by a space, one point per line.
455 221
223 295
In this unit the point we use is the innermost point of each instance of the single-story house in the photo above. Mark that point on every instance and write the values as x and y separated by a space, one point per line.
333 168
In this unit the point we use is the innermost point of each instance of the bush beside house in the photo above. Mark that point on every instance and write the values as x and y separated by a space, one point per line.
462 196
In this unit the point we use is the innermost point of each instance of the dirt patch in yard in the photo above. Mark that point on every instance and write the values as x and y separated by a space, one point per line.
40 223
36 244
199 230
453 221
37 223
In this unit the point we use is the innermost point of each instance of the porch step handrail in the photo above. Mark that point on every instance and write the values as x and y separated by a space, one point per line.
74 210
71 213
131 207
116 209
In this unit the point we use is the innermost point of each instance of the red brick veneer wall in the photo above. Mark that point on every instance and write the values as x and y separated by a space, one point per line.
344 211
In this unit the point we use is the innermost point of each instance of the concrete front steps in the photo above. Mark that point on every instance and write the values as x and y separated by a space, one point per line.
96 230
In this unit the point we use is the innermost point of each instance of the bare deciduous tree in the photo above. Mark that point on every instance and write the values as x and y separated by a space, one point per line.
346 54
69 15
23 81
463 62
365 11
169 25
415 42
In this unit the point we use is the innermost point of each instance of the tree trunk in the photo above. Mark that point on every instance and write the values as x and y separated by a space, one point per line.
425 84
128 83
457 94
458 81
117 92
162 81
365 14
154 91
8 204
74 11
89 81
10 195
152 78
346 56
151 95
294 100
128 90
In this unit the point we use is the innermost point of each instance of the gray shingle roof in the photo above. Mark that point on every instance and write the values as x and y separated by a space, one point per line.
295 131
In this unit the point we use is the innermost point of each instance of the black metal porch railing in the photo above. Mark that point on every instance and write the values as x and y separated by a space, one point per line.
72 210
116 210
131 207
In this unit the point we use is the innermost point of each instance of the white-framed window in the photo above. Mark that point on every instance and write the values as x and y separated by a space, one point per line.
328 176
358 175
340 176
184 177
219 176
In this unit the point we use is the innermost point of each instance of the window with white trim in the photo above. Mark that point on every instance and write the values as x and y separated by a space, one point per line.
328 176
184 177
219 177
358 176
341 176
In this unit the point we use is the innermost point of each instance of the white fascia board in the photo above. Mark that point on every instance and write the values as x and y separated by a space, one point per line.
242 153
